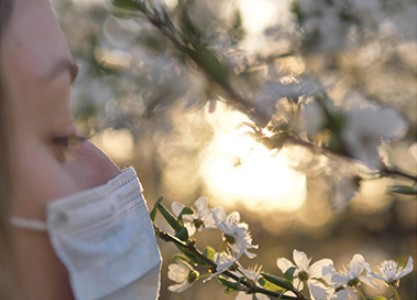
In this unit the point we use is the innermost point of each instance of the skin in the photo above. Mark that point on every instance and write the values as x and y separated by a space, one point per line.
49 160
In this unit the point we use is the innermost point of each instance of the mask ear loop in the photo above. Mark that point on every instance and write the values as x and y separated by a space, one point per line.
28 224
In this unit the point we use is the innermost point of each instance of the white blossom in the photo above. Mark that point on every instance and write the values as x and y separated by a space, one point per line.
176 208
366 127
351 275
344 190
313 118
346 294
252 273
322 21
183 274
224 260
350 278
391 273
306 273
236 233
202 215
327 32
363 129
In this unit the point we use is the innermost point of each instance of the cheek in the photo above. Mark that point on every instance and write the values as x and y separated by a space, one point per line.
38 179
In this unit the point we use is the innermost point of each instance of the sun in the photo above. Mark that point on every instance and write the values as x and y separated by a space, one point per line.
237 169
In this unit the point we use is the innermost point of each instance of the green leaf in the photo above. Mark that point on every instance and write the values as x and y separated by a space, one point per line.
277 281
296 10
210 63
182 234
198 223
270 286
186 23
209 252
155 207
125 4
236 286
289 274
193 259
379 298
186 211
188 260
172 221
193 276
237 32
180 257
403 189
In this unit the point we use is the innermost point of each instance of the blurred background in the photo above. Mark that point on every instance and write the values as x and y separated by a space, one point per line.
145 106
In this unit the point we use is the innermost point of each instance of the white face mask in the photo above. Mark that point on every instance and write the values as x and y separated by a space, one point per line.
105 238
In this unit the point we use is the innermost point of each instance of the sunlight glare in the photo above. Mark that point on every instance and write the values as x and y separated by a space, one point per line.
171 3
259 15
237 169
118 144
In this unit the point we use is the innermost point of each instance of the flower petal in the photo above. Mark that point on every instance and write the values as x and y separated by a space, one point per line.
219 216
370 280
177 272
176 208
203 212
317 291
301 260
201 203
284 264
323 268
313 118
178 288
388 270
408 269
346 294
343 192
190 228
339 279
357 264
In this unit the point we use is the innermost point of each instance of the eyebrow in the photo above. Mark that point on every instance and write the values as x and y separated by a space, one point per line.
62 66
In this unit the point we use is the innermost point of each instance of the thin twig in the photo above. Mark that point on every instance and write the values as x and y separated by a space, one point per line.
394 171
251 288
184 44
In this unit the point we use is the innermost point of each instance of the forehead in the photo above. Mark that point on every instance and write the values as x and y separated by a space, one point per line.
33 39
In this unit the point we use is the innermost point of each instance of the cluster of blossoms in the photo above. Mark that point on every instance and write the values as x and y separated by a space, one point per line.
357 133
301 278
236 236
325 282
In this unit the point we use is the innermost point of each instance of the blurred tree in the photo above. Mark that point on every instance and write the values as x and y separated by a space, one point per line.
162 76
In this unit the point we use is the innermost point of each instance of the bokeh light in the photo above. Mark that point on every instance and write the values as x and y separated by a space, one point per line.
238 169
118 144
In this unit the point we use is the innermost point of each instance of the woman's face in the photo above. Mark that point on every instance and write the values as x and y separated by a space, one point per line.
49 160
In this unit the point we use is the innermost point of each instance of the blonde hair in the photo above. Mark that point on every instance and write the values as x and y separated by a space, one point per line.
8 279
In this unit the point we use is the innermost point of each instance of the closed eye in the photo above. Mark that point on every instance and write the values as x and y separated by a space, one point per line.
63 144
68 140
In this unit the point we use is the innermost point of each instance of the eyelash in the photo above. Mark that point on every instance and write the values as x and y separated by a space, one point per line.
67 141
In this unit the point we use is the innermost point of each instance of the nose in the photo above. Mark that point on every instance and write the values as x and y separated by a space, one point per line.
90 167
